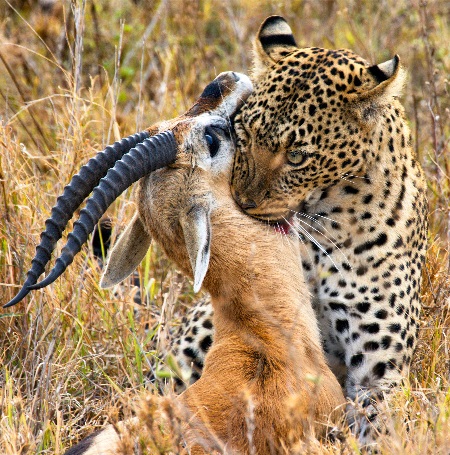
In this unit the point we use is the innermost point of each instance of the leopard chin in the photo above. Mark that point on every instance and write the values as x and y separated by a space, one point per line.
275 216
280 223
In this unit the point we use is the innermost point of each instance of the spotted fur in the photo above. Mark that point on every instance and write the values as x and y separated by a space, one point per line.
323 145
324 148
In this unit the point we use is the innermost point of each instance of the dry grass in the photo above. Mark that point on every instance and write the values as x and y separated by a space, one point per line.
82 74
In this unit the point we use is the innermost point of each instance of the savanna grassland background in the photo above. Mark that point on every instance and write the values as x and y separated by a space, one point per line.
78 75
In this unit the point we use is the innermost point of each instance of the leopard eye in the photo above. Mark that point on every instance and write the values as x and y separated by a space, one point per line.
298 157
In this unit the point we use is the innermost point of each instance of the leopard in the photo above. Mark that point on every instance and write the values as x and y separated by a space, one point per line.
324 149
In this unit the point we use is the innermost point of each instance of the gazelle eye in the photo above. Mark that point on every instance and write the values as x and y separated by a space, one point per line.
212 140
298 157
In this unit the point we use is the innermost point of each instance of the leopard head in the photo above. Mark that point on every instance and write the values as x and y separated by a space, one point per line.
314 118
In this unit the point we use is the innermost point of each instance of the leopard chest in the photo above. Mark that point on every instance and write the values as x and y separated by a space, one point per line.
362 255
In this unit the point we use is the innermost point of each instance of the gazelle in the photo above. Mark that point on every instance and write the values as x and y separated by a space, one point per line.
266 357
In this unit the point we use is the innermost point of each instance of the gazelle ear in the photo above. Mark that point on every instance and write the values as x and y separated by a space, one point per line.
128 252
196 226
273 41
391 79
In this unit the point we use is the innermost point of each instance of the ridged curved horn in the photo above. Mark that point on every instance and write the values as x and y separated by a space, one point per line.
74 194
153 153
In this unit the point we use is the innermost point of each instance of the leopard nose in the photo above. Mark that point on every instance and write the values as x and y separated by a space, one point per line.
248 205
245 204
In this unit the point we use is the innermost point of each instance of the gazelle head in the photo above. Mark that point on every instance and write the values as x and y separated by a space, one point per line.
205 128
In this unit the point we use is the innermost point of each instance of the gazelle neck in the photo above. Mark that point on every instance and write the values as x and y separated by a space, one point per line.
257 286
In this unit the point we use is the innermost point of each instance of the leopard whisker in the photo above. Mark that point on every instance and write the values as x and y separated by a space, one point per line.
329 239
314 219
316 242
325 218
301 239
352 176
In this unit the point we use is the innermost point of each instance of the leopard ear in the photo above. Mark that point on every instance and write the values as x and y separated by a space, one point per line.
390 78
273 41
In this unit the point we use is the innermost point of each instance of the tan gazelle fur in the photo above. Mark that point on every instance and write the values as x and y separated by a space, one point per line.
265 382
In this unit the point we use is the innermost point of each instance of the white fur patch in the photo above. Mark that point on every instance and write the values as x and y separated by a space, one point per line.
279 27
